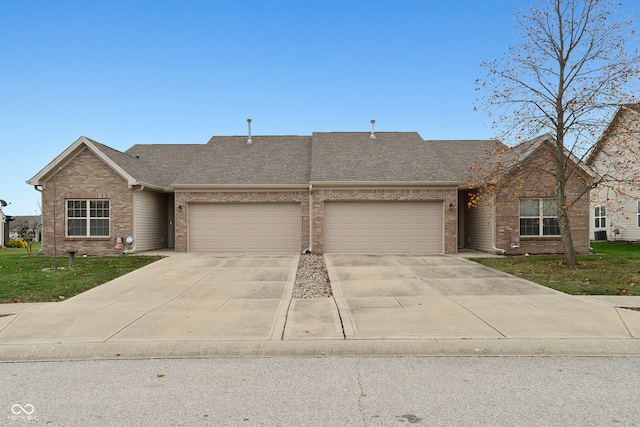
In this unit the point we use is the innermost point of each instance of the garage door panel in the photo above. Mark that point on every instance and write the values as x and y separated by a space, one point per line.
384 227
251 227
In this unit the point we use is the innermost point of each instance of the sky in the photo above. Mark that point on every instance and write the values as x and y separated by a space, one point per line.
155 72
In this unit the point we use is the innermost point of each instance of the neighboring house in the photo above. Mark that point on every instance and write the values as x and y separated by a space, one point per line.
384 192
615 202
21 219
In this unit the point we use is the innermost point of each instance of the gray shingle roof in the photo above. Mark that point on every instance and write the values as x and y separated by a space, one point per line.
166 161
460 155
229 160
141 170
390 157
280 160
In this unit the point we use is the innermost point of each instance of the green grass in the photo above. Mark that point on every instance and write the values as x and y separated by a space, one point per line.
26 278
611 269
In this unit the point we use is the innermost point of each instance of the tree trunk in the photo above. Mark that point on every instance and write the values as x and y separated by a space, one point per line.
570 256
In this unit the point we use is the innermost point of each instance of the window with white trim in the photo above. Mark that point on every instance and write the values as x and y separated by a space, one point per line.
539 217
600 217
88 218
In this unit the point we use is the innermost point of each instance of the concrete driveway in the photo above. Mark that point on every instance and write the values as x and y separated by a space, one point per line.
189 305
423 297
181 297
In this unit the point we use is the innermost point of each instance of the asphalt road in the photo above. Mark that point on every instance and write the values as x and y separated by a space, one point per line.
431 391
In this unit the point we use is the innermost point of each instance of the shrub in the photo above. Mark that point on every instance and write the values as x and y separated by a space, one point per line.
17 243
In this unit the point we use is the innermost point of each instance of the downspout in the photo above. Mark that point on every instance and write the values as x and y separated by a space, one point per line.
493 244
133 211
310 248
41 190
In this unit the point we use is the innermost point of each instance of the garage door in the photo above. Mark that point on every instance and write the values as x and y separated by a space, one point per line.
250 227
383 227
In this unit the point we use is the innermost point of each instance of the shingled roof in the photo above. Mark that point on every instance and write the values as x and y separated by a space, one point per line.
390 157
142 171
268 160
402 158
167 161
460 155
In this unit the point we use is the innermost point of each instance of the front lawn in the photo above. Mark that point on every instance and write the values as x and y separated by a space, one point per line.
611 269
26 278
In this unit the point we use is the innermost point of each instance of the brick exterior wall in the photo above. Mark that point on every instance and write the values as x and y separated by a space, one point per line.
529 181
88 177
185 198
85 177
446 195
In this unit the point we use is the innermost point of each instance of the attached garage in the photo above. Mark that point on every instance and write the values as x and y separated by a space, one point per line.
244 227
383 227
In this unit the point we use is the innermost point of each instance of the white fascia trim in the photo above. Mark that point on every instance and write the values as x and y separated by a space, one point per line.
400 184
130 180
152 186
204 187
70 153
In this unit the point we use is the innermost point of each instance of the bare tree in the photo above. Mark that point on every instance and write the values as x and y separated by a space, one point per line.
566 74
28 231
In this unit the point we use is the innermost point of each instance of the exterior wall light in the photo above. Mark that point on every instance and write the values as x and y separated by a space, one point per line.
179 208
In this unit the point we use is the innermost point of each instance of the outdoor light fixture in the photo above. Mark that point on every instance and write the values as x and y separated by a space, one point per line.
450 206
180 208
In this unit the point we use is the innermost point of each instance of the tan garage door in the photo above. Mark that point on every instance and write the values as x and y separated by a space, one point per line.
245 227
383 227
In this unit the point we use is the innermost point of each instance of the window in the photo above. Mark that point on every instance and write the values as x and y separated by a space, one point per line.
600 215
88 218
539 217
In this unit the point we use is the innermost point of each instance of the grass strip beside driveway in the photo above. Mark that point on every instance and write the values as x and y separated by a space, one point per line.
26 278
613 268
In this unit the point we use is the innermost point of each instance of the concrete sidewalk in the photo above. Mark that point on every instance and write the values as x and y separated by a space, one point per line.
201 305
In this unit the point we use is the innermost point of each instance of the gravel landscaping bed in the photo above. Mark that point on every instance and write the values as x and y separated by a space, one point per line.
312 279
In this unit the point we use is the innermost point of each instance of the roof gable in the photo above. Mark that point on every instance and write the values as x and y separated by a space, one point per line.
106 154
502 160
615 128
330 158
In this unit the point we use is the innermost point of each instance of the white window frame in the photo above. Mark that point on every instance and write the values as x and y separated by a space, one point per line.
540 217
600 217
86 216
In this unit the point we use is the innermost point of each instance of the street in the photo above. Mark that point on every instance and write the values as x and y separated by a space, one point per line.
428 391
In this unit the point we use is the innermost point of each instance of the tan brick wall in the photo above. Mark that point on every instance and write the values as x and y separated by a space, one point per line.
530 182
446 195
185 198
85 177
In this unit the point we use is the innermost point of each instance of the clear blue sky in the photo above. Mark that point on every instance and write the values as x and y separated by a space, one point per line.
129 72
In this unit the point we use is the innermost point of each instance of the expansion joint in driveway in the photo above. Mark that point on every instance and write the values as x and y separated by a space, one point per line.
312 310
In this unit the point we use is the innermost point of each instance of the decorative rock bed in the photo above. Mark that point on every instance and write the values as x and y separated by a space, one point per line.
312 279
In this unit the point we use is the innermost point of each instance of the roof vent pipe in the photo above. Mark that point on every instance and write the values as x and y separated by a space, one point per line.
373 135
249 141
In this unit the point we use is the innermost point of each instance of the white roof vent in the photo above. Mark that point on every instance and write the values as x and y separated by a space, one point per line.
373 135
249 141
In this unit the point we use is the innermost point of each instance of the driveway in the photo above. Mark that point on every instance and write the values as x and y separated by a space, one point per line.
181 297
423 297
195 304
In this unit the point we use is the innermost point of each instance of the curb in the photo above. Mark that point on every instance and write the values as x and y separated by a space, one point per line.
318 348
